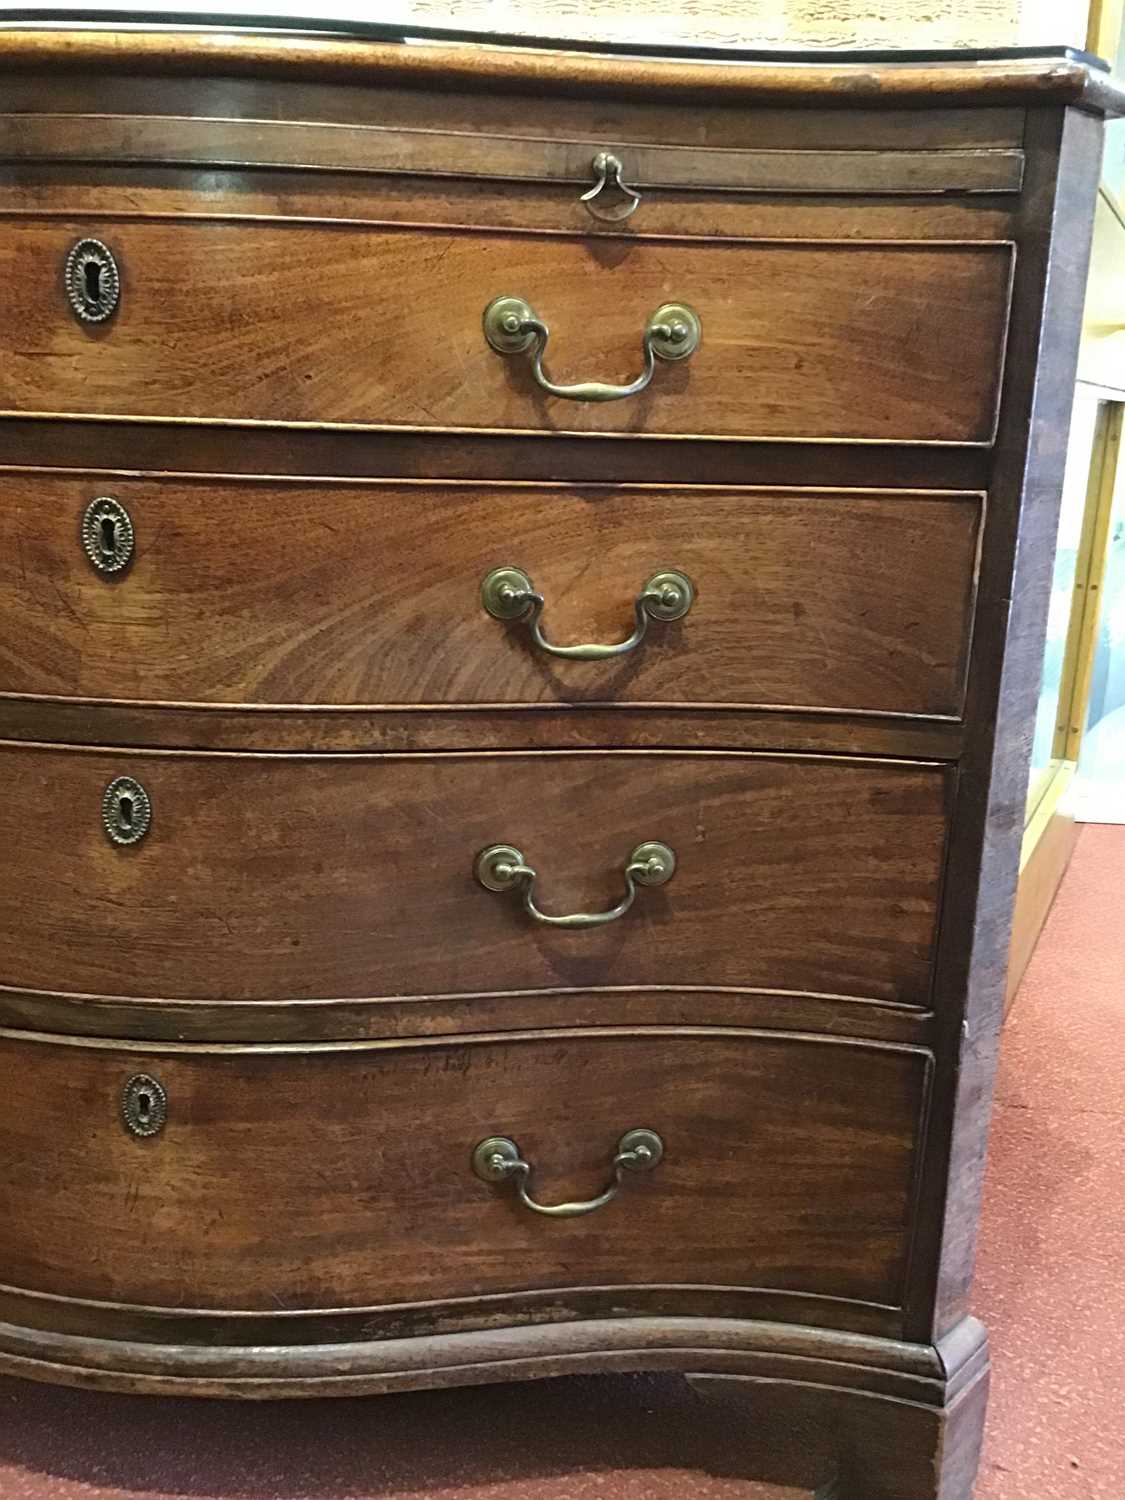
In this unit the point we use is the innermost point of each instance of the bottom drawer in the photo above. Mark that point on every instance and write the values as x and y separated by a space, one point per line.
341 1175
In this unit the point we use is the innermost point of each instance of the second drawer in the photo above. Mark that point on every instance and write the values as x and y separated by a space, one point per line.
242 877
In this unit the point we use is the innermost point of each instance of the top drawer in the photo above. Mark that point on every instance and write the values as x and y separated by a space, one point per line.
296 323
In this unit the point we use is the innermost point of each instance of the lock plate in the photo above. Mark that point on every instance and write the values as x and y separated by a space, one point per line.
144 1105
107 535
93 282
126 811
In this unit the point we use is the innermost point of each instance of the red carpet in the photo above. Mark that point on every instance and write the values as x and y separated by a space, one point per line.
1051 1270
1051 1287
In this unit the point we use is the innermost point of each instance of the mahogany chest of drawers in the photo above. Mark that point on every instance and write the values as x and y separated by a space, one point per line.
522 602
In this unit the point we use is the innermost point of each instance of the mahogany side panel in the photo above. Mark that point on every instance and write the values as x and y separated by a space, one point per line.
1004 682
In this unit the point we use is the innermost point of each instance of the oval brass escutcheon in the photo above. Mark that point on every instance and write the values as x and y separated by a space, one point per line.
107 535
93 282
126 811
144 1105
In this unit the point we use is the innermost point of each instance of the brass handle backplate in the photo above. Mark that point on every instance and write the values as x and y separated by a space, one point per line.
511 326
498 1159
501 867
509 594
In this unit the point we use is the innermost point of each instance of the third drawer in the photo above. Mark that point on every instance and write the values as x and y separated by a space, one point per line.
235 877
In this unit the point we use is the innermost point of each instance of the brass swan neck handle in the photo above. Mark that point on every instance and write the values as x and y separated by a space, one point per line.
512 326
508 594
498 1159
501 867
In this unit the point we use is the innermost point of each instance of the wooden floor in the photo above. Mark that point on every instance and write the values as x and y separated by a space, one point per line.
1051 1287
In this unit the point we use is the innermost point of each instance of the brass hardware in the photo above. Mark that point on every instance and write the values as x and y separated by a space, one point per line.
512 327
502 867
144 1105
509 594
93 282
126 811
107 535
607 174
498 1159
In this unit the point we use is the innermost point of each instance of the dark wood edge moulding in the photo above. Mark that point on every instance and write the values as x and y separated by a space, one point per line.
232 53
160 448
155 1019
66 722
236 1328
930 1375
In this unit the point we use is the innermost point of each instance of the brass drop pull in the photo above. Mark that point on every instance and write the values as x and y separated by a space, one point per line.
509 594
501 867
607 182
512 327
498 1159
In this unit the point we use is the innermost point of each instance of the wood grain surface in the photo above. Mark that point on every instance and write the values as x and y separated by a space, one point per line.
288 323
841 85
322 456
38 190
329 1177
1016 588
147 93
861 1447
306 594
517 156
280 877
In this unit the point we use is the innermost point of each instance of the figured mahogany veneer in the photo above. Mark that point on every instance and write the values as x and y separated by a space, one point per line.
273 877
383 328
246 1058
789 1165
331 594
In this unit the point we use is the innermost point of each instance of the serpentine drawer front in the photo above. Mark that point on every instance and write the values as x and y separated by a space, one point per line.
387 329
521 603
782 1169
270 877
199 591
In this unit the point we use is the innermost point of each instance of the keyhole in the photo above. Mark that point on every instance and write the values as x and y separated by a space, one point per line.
125 812
144 1106
109 536
93 274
